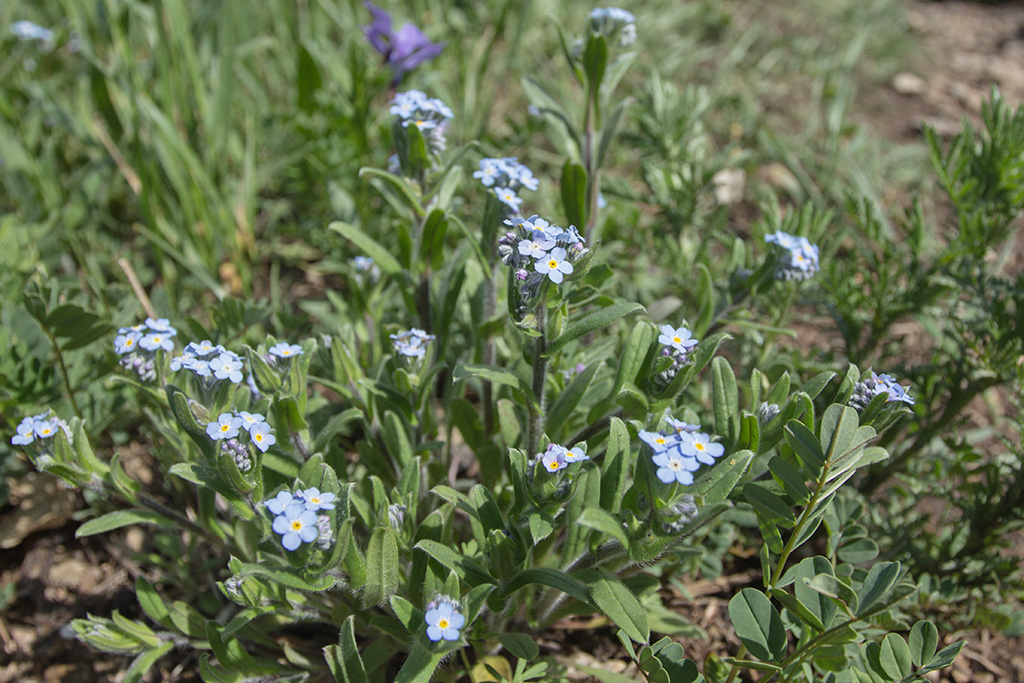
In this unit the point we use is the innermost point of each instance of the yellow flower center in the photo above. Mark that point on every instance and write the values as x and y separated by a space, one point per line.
129 342
553 465
315 501
677 340
552 263
699 446
257 437
46 430
225 428
297 525
660 440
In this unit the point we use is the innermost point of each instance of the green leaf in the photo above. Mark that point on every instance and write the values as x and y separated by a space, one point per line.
924 639
769 505
810 606
560 412
520 645
751 664
598 519
421 663
833 587
493 374
895 657
145 661
944 657
381 256
595 61
717 483
343 659
614 466
547 576
151 602
879 581
803 442
617 602
633 354
858 551
381 566
725 400
790 479
308 80
574 192
121 518
468 571
838 429
758 624
541 526
591 322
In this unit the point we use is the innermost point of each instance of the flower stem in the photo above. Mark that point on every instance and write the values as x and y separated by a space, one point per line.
540 371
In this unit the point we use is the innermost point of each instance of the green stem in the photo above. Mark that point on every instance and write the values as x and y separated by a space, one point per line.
540 371
63 371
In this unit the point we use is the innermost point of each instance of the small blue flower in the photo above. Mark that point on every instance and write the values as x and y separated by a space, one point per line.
43 428
411 343
679 338
679 425
159 324
285 350
508 197
553 458
700 446
26 432
575 454
158 340
537 246
126 343
444 622
315 500
262 436
554 265
296 525
675 467
250 420
278 503
226 427
227 366
657 441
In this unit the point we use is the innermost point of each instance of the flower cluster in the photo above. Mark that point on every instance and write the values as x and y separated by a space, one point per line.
611 20
681 451
679 514
137 345
429 114
557 457
865 390
679 342
228 427
208 361
295 516
402 50
798 258
506 177
27 31
41 426
444 620
549 248
411 343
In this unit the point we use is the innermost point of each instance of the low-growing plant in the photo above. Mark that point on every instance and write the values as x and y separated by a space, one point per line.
478 436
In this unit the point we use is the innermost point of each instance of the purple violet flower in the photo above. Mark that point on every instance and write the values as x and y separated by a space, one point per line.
403 50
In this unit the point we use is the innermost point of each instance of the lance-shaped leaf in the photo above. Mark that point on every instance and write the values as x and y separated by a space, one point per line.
343 659
617 602
493 374
590 322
